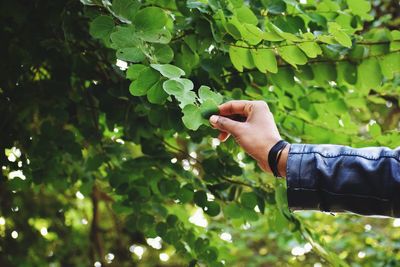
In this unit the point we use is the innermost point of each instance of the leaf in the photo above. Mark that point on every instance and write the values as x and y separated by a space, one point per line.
163 53
241 57
125 8
101 27
311 49
292 55
272 36
324 73
200 198
205 93
132 73
234 28
232 211
208 108
146 79
162 36
132 54
156 94
245 15
178 86
124 36
340 36
359 7
212 208
265 60
248 200
284 78
348 72
395 43
192 120
390 64
150 18
375 130
181 89
252 34
369 74
185 194
168 70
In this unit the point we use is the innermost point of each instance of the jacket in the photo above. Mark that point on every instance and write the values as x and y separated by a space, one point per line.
337 178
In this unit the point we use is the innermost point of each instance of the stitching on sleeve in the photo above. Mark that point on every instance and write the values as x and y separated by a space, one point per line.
339 194
348 155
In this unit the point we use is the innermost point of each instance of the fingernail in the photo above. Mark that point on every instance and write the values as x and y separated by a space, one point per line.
213 119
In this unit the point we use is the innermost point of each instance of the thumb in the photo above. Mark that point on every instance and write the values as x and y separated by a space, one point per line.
225 124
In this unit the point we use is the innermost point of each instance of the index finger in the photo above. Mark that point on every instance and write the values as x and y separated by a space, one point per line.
241 107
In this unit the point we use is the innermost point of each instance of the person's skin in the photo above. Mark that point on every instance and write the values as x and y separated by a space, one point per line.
257 135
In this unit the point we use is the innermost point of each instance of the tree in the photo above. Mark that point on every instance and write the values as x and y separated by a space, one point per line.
107 159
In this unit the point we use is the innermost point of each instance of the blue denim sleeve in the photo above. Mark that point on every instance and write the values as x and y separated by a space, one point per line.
337 178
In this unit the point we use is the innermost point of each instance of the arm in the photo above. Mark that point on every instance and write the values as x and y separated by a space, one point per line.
340 178
324 177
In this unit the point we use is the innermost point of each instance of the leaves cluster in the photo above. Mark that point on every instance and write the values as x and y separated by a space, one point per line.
134 140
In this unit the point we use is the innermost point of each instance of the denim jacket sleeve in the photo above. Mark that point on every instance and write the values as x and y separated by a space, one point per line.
339 178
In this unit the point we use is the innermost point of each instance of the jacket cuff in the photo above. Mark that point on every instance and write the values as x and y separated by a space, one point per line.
302 190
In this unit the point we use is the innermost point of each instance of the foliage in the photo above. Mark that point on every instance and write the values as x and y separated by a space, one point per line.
100 162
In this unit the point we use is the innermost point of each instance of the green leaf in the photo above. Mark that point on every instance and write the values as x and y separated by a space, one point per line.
248 200
359 7
245 15
292 55
178 87
284 78
375 130
347 72
234 28
125 9
265 60
192 120
390 64
162 36
369 74
208 108
150 18
168 70
252 34
132 73
340 36
200 198
232 211
205 93
185 194
181 89
101 27
272 36
124 36
241 57
163 53
156 94
212 208
311 49
324 73
132 54
395 43
146 79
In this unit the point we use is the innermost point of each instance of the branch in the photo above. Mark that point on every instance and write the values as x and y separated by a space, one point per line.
97 244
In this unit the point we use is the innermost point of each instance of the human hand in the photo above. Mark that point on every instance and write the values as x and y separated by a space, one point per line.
257 135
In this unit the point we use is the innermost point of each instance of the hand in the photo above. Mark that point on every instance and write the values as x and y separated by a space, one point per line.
256 135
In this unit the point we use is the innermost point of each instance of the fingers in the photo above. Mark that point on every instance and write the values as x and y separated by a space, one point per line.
241 107
223 136
225 124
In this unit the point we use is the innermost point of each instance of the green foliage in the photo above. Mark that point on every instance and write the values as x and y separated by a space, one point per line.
98 161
